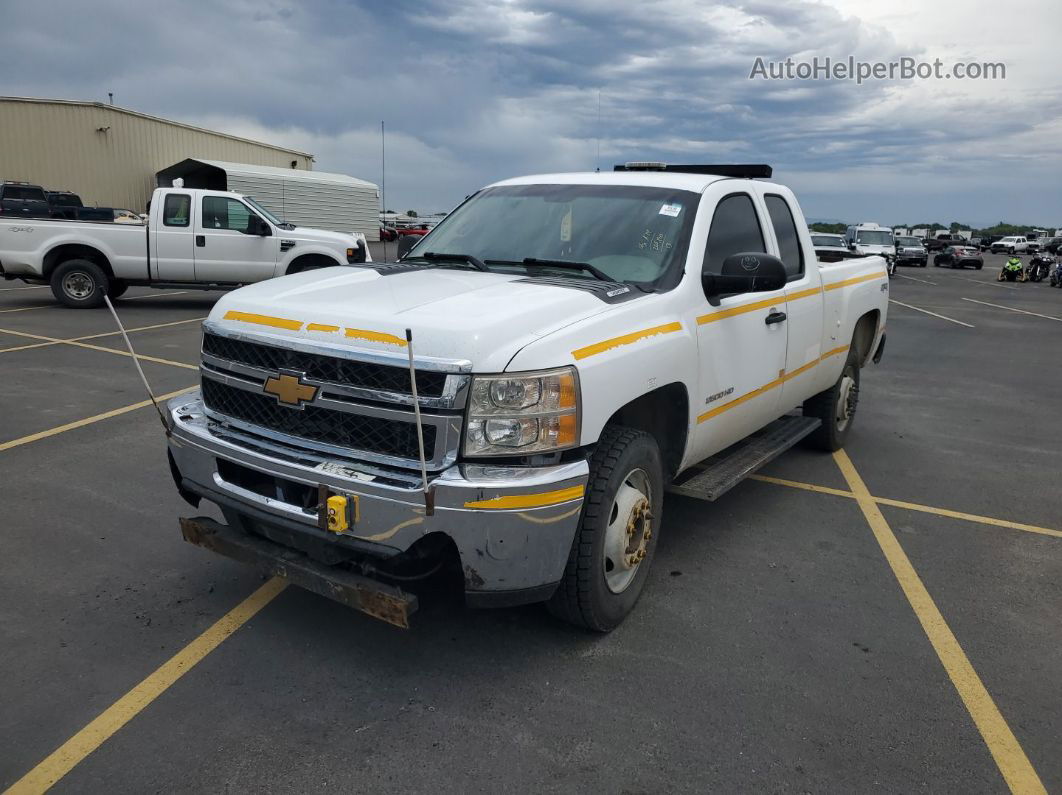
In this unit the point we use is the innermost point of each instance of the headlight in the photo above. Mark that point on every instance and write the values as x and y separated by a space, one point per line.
522 413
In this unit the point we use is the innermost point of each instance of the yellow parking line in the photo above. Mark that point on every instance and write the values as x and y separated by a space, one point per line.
67 756
145 357
1004 746
96 336
914 506
33 437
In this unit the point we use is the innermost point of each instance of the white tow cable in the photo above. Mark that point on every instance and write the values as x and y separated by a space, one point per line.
136 362
429 497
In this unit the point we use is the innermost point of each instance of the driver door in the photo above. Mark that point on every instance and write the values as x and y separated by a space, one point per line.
227 249
741 340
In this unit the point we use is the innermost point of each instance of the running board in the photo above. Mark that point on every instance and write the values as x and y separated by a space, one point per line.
715 476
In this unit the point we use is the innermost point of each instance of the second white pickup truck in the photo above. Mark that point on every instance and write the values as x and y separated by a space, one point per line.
581 342
193 238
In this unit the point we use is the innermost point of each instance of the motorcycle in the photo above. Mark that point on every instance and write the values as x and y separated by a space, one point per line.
1039 267
1056 275
1012 271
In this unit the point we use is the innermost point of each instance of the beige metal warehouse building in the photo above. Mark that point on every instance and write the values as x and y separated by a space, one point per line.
109 155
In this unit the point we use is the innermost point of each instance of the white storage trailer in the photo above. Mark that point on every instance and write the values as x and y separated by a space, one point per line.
305 198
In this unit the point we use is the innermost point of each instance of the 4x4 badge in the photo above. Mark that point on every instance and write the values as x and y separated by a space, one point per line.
289 389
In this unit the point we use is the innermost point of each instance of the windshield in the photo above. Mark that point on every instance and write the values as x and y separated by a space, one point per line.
630 233
262 211
874 238
828 240
908 241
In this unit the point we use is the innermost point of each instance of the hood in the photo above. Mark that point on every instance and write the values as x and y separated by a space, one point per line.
482 318
342 239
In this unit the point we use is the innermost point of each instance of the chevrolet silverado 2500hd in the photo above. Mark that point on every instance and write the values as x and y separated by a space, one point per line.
193 238
580 342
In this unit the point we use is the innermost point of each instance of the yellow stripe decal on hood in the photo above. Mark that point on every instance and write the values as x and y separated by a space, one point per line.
374 336
769 386
518 501
264 320
626 339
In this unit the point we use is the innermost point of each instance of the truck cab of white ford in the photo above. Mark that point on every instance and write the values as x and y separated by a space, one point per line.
193 239
580 343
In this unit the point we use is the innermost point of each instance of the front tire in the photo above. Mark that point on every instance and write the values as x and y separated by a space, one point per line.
80 284
117 289
614 545
836 407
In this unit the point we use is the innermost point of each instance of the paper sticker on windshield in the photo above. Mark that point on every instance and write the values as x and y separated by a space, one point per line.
566 227
671 210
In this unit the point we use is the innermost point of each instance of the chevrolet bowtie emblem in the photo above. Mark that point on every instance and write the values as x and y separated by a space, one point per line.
289 389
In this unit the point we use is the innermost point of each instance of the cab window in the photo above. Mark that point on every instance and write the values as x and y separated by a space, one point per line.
220 212
785 231
175 211
735 228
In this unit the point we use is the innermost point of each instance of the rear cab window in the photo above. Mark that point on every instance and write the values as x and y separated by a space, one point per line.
176 210
785 231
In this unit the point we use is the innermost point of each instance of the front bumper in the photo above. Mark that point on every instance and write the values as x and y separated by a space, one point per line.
512 526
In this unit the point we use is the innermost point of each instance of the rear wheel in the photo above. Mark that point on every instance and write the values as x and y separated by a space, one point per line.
614 545
835 407
80 283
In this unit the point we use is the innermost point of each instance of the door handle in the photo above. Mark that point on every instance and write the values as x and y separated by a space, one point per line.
775 317
200 240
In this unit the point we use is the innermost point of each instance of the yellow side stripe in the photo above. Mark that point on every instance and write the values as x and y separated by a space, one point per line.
517 501
857 279
769 386
320 327
626 339
264 320
375 336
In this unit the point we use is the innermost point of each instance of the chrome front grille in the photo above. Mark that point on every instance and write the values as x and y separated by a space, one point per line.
360 410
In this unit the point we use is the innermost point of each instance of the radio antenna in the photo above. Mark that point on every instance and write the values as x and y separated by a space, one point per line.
429 496
136 363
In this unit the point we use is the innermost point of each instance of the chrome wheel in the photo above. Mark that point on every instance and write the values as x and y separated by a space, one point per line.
847 397
628 532
78 285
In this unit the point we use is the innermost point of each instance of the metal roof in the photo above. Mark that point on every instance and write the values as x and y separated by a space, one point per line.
118 109
292 174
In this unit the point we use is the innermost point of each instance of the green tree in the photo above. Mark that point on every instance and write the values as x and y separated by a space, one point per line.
411 213
829 229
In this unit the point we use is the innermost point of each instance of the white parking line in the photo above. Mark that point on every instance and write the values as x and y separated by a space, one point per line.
934 314
985 284
913 279
1012 309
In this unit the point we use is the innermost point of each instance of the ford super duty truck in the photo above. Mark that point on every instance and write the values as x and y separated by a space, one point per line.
581 344
193 239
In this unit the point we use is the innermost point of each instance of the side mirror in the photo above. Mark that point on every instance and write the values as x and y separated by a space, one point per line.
357 253
405 243
746 272
257 226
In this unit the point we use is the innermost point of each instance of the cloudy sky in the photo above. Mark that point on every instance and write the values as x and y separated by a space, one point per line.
474 91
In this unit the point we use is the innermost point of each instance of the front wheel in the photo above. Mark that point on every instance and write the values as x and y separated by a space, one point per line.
614 544
80 283
835 407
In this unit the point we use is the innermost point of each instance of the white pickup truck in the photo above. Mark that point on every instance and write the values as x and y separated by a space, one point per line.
581 343
193 238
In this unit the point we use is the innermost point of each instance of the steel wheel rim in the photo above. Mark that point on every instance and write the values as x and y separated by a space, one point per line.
846 400
78 285
628 531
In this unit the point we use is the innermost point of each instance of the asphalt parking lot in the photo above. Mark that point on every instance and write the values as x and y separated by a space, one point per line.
882 620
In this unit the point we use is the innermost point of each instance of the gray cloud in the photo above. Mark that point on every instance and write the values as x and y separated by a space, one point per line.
475 91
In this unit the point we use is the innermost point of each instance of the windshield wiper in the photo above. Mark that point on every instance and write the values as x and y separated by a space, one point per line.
433 256
557 263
